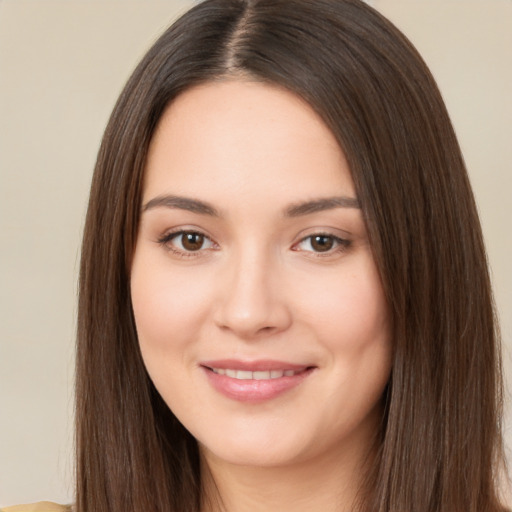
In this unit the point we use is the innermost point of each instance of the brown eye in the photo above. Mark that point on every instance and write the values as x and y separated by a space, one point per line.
322 243
186 242
192 241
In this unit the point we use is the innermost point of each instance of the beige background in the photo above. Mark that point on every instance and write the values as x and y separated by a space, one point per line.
62 65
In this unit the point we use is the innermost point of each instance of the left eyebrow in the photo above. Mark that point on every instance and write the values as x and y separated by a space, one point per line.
319 205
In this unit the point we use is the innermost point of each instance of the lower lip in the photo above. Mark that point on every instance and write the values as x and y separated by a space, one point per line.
252 390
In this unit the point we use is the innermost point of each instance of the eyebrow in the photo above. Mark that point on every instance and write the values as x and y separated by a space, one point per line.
181 203
319 205
294 210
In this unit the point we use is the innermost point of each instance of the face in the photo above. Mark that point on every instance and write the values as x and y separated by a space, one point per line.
259 310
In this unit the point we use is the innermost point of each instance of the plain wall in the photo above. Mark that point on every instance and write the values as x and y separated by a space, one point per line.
62 65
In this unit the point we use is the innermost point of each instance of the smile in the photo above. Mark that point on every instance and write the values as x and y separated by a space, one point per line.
256 381
256 375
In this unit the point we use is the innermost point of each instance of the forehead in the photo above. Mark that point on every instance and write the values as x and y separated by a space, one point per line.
246 137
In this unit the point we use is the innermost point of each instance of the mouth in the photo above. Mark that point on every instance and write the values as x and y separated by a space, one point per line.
255 375
255 381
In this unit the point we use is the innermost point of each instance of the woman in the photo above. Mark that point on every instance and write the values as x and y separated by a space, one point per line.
284 298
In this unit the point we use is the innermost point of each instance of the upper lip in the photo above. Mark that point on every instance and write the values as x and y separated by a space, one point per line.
257 365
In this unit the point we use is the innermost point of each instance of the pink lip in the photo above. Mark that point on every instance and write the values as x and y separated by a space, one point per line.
252 390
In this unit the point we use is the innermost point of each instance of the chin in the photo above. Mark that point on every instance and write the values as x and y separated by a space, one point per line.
251 447
270 456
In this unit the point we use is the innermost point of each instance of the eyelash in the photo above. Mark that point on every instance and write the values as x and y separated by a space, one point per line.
340 244
166 240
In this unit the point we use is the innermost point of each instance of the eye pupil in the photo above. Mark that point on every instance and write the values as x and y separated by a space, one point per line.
322 243
192 241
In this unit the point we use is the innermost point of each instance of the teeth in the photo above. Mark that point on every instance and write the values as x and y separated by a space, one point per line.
261 375
258 375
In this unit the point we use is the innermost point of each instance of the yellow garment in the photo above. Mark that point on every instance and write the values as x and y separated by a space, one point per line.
42 506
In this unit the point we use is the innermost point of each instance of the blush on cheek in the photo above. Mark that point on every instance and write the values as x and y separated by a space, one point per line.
162 304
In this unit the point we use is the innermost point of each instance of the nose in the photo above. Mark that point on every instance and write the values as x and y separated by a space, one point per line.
252 299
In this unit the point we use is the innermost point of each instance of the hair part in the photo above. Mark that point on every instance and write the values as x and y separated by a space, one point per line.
440 442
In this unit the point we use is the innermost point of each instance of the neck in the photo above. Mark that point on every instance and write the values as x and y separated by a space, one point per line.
330 483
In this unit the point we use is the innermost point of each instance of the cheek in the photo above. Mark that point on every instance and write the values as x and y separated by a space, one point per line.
348 308
166 303
167 308
352 324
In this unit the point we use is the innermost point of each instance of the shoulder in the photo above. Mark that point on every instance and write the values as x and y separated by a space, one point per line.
42 506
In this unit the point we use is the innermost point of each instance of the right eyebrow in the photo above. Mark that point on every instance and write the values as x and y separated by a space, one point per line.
181 203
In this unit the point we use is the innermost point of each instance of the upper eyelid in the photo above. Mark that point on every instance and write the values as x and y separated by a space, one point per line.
169 233
340 240
337 233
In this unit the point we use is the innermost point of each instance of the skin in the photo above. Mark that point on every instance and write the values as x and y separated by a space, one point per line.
258 285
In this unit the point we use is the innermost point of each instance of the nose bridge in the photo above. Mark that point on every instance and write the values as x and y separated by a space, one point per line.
252 301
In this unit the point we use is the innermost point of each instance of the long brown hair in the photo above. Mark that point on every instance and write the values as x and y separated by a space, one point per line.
440 442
